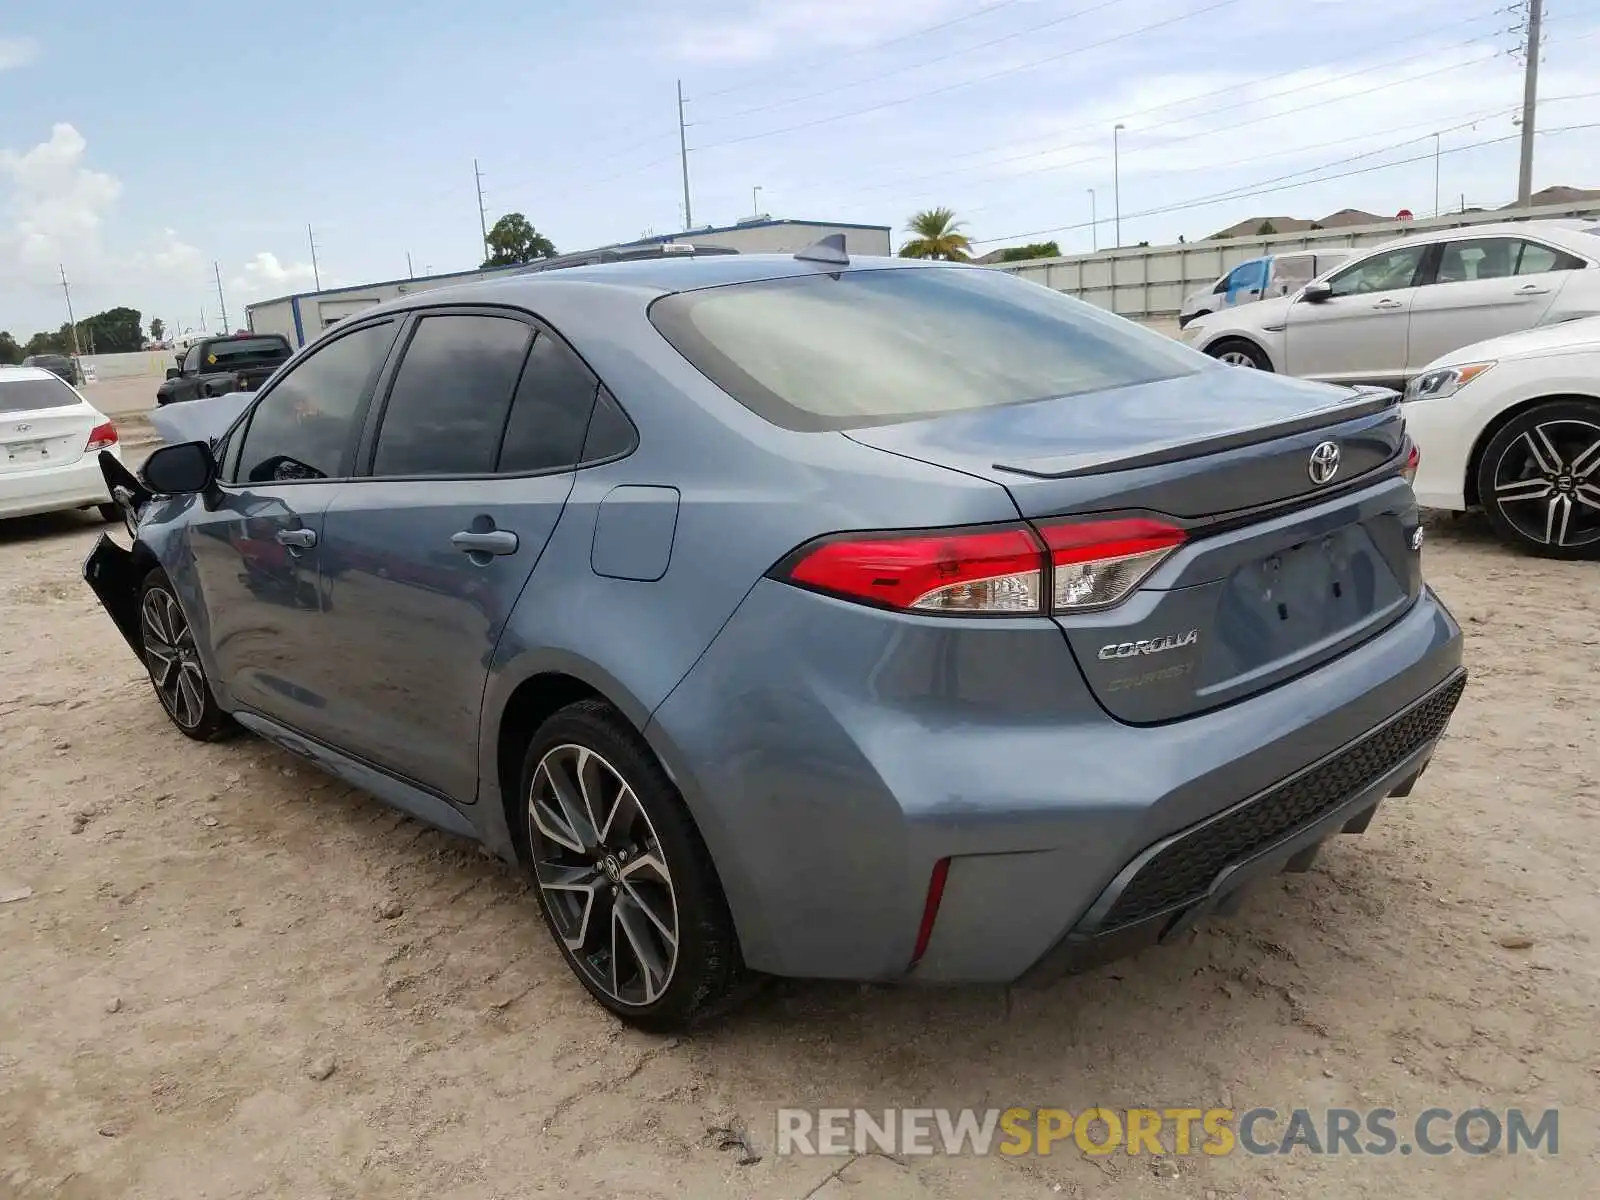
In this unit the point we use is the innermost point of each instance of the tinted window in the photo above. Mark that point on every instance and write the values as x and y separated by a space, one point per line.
224 354
1536 259
302 428
1383 272
1477 258
21 395
191 361
610 433
448 405
551 412
868 347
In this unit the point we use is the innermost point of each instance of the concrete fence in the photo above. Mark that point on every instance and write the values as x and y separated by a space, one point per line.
139 364
1151 281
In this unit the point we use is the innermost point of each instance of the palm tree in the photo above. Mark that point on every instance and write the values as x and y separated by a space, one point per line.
937 236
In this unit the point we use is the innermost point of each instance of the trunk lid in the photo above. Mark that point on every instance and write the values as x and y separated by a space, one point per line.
1280 572
35 439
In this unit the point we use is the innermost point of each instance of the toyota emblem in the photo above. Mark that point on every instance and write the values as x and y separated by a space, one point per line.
1324 464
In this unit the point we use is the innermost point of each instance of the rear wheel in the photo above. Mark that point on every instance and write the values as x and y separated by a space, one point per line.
1237 352
174 664
1539 480
625 883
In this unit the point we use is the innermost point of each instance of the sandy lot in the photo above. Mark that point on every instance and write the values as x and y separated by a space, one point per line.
203 938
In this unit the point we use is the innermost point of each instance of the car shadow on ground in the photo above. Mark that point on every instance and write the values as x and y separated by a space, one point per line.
47 526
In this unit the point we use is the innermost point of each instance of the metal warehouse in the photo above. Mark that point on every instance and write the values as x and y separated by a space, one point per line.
302 316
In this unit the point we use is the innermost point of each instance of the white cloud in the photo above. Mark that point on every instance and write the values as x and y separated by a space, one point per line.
773 27
57 203
264 276
17 52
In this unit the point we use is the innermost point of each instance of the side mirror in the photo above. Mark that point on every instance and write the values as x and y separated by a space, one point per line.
173 372
186 469
1317 291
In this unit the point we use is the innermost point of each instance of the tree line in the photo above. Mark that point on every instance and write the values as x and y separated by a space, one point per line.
115 331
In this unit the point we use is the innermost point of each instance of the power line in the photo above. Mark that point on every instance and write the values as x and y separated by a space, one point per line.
961 53
872 49
965 83
1264 191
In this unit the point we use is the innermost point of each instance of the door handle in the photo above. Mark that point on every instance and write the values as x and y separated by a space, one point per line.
495 541
300 539
1388 305
1531 289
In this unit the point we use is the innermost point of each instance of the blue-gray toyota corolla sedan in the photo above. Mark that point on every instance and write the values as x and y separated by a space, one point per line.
858 619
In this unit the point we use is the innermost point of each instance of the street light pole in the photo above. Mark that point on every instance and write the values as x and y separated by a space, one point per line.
1094 224
1116 181
755 201
1436 175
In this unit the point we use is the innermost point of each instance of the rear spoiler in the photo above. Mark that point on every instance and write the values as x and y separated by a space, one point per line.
1364 401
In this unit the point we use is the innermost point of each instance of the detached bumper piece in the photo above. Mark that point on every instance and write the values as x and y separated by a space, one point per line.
114 577
1175 882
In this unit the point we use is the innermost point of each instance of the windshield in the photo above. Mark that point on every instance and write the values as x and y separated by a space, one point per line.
858 348
25 395
243 349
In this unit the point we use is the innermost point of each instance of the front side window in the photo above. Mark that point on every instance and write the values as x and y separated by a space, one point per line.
191 361
871 347
448 405
305 426
1383 272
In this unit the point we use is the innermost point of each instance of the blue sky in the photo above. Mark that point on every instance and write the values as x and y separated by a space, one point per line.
139 146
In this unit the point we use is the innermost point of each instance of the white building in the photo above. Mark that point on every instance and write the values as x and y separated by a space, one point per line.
301 317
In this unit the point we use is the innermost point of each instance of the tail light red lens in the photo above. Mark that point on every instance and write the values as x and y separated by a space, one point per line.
1007 571
1100 562
101 437
1413 461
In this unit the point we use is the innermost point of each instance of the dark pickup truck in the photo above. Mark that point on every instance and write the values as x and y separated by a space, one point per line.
216 366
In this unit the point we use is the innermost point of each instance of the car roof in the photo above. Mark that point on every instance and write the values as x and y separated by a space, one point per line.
1567 234
647 278
8 374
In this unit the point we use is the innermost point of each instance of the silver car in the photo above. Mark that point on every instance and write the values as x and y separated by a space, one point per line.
1384 316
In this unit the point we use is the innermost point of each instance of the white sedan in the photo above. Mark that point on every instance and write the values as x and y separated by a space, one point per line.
50 443
1513 424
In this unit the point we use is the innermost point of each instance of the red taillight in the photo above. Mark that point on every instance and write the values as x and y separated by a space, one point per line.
1413 461
995 572
962 571
1097 563
101 436
930 908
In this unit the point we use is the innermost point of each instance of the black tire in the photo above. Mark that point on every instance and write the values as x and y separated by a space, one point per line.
615 879
1243 348
1539 480
110 513
175 670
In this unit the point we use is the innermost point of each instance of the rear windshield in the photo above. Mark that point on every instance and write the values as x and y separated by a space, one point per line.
859 348
245 348
24 395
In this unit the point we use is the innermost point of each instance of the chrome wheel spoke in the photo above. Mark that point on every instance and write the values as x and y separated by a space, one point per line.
572 891
1587 494
1545 455
191 691
1523 489
170 657
1585 464
636 945
558 808
1556 520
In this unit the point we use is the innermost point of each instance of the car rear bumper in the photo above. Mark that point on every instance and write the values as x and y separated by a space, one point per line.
53 489
832 756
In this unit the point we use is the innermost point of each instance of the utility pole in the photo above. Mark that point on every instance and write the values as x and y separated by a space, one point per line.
316 276
410 274
1116 182
1094 224
1530 102
72 321
755 201
483 216
222 303
683 154
1436 174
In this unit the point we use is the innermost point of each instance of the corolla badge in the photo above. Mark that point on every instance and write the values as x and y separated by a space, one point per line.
24 427
1157 645
1324 464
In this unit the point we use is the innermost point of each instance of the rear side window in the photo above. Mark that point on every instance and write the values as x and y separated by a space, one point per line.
871 347
1536 259
304 427
24 395
449 401
551 413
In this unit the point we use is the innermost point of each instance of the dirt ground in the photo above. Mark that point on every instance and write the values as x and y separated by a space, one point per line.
199 997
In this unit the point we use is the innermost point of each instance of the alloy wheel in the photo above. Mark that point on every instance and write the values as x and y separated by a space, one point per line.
1547 483
1236 358
171 658
602 875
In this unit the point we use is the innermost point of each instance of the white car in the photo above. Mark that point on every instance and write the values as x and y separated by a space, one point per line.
1263 278
1513 424
50 443
1382 317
